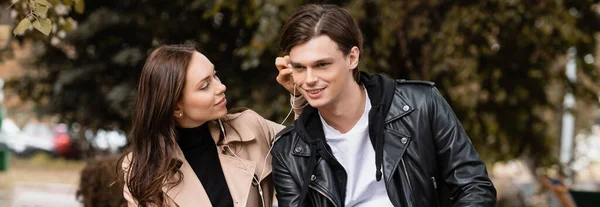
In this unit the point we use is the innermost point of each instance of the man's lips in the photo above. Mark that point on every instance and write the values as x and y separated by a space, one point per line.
315 90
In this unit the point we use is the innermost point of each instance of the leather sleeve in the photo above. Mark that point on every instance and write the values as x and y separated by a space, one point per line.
461 167
286 189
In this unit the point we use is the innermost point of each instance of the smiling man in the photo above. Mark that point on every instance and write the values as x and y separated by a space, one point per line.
366 140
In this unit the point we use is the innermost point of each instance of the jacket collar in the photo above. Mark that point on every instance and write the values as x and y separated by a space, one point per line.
242 132
309 127
381 91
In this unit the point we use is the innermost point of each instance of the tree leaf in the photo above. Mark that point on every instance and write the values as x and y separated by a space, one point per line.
68 25
68 3
22 26
41 10
37 25
44 26
47 25
79 6
44 2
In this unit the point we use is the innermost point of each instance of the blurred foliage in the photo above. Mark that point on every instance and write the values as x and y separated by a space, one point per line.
499 62
44 16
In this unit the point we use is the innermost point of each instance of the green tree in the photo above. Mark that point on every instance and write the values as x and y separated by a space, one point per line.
497 62
44 16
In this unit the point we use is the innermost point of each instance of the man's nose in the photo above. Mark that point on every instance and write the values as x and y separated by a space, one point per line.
311 77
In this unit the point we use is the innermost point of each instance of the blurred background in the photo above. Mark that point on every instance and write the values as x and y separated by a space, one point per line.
522 76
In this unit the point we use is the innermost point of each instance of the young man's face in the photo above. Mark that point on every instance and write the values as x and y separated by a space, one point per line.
321 71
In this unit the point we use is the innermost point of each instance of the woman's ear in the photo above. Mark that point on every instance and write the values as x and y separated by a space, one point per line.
178 112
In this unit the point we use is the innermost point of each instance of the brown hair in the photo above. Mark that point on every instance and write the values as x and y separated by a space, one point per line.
97 186
152 136
313 20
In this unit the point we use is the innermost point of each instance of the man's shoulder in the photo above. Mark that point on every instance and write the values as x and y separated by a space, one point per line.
415 83
284 139
414 87
413 93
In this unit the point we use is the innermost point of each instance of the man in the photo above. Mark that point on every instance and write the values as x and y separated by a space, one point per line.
366 140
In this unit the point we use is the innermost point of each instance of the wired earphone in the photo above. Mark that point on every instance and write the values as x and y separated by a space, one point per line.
254 177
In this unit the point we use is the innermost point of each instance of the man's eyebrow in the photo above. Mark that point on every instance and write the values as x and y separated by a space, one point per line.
295 63
324 60
313 63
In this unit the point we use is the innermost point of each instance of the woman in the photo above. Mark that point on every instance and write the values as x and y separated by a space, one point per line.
185 149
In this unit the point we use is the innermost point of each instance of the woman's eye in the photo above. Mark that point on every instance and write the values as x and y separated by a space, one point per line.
204 86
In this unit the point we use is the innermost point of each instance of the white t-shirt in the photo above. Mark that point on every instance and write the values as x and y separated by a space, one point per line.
356 154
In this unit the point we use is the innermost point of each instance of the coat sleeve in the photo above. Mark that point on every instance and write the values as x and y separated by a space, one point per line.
461 167
271 129
298 104
126 194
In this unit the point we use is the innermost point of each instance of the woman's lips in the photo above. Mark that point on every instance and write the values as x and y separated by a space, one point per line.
222 102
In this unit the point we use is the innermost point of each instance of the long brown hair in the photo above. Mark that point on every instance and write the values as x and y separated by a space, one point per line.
152 136
313 20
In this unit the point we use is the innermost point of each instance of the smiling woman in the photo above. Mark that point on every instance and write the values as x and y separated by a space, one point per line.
186 150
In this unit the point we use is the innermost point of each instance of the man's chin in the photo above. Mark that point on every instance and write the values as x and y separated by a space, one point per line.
316 103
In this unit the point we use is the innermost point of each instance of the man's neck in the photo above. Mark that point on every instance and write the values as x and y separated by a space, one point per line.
345 112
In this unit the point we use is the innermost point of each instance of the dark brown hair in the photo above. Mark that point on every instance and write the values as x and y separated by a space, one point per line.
97 186
152 137
314 20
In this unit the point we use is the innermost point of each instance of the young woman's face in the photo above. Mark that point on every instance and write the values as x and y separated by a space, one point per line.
203 94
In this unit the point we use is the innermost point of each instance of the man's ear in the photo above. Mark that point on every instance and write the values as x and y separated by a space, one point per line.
353 57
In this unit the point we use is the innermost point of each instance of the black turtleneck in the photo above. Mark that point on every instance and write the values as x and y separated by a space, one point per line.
200 151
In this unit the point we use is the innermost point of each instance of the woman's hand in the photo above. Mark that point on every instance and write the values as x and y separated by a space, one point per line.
284 78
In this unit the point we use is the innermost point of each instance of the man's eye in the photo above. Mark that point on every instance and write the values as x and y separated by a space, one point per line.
320 65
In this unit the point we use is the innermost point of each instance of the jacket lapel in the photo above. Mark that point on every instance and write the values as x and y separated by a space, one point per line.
239 174
398 108
383 94
241 133
395 140
190 191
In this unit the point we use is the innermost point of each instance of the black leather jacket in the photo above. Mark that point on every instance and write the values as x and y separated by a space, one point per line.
424 154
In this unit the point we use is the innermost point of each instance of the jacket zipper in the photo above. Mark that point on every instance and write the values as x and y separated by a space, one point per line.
322 192
435 191
331 157
406 174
